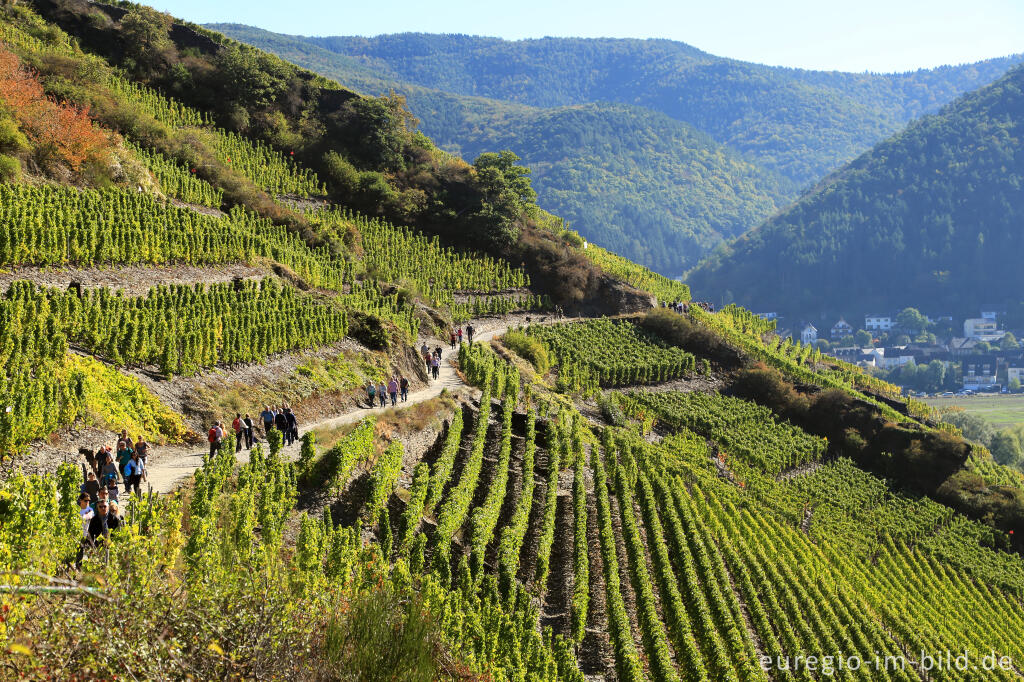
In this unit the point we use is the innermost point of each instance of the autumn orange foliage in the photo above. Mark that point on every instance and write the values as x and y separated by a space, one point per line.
64 129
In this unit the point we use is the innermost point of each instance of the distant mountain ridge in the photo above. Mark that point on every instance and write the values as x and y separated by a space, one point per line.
718 145
933 214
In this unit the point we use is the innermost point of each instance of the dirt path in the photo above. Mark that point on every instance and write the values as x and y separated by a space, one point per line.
169 466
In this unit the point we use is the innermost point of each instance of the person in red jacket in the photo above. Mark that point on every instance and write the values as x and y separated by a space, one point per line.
237 426
215 435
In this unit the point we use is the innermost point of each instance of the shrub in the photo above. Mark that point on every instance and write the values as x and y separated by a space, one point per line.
529 349
10 169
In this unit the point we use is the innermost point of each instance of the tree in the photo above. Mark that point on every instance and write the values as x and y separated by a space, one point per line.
863 338
912 321
147 39
1009 342
847 341
973 427
1006 448
1015 385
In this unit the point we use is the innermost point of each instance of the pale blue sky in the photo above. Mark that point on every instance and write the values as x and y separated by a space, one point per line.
853 35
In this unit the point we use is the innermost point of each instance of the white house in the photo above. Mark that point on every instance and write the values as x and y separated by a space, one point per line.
840 329
982 329
878 323
768 316
1015 370
809 334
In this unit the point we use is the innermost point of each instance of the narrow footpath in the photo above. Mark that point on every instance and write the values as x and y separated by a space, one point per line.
169 466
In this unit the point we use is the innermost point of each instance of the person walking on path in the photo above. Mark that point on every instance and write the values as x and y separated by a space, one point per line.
293 425
215 435
469 333
371 394
382 393
393 391
424 349
451 339
458 333
237 426
281 422
268 419
108 472
403 385
247 427
102 523
91 487
435 366
135 473
142 447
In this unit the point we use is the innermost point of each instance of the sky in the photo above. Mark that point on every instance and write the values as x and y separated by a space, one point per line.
858 35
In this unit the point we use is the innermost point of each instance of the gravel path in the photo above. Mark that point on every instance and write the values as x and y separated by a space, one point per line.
169 466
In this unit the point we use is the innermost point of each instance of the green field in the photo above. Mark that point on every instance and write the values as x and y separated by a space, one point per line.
999 410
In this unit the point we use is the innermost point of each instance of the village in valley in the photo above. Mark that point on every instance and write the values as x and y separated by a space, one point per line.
926 354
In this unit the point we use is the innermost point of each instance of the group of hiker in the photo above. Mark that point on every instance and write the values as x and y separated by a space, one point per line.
98 495
684 308
281 418
455 336
396 386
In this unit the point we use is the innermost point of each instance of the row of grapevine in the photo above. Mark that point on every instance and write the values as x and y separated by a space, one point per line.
666 290
651 629
742 428
485 517
454 510
267 168
176 181
614 353
53 225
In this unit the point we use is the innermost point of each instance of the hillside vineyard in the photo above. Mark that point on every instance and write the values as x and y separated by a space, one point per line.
287 392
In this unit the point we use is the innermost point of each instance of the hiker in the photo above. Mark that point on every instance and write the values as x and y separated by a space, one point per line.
403 385
108 473
371 393
102 523
91 487
236 425
293 425
424 349
124 453
86 513
459 334
110 492
134 473
469 333
435 366
247 427
215 435
281 422
451 339
382 391
142 447
393 391
268 419
428 358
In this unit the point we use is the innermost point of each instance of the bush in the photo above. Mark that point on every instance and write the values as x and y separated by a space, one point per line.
529 349
678 330
10 169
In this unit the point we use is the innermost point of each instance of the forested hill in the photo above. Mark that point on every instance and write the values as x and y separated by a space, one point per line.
635 180
638 179
932 214
800 123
